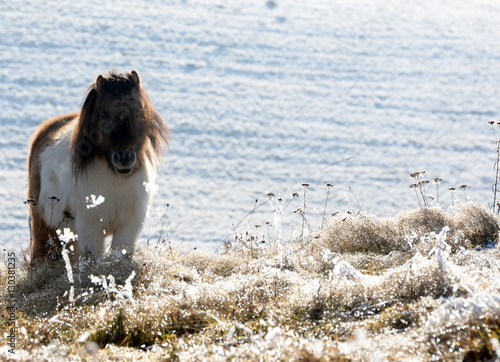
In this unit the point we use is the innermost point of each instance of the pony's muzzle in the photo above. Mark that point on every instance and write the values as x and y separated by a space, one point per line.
124 161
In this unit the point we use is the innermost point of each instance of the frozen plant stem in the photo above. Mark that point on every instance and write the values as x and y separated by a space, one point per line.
257 227
268 224
251 213
277 213
465 188
496 167
355 198
414 186
53 201
452 189
437 181
422 186
69 272
304 186
329 186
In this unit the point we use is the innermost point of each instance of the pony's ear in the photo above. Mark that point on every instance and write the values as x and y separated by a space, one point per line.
134 77
99 82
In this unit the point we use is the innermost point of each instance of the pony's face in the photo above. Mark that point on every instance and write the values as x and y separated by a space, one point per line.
117 122
122 120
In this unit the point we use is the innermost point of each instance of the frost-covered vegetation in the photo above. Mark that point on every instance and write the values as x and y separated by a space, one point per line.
421 285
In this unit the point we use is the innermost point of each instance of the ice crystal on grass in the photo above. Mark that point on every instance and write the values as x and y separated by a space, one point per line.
110 287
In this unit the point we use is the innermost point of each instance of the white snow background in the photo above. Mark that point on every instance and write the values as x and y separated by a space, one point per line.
259 96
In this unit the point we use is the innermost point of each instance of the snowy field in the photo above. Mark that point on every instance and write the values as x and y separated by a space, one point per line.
262 96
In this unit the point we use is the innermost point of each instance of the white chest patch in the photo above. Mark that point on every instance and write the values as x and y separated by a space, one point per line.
100 201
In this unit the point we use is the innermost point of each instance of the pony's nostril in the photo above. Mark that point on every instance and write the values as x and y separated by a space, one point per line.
117 156
130 156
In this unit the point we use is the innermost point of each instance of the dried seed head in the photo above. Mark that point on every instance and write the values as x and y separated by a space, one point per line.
415 174
491 121
298 210
452 189
424 182
464 187
305 185
295 195
329 185
270 194
437 180
412 186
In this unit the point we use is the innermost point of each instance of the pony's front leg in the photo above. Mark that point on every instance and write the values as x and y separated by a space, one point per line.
90 237
124 238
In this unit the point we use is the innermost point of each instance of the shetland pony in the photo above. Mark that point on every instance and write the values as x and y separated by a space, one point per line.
91 171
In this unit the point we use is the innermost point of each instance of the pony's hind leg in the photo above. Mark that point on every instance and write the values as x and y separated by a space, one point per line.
44 242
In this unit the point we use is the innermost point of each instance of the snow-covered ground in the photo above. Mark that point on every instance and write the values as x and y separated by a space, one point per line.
262 96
